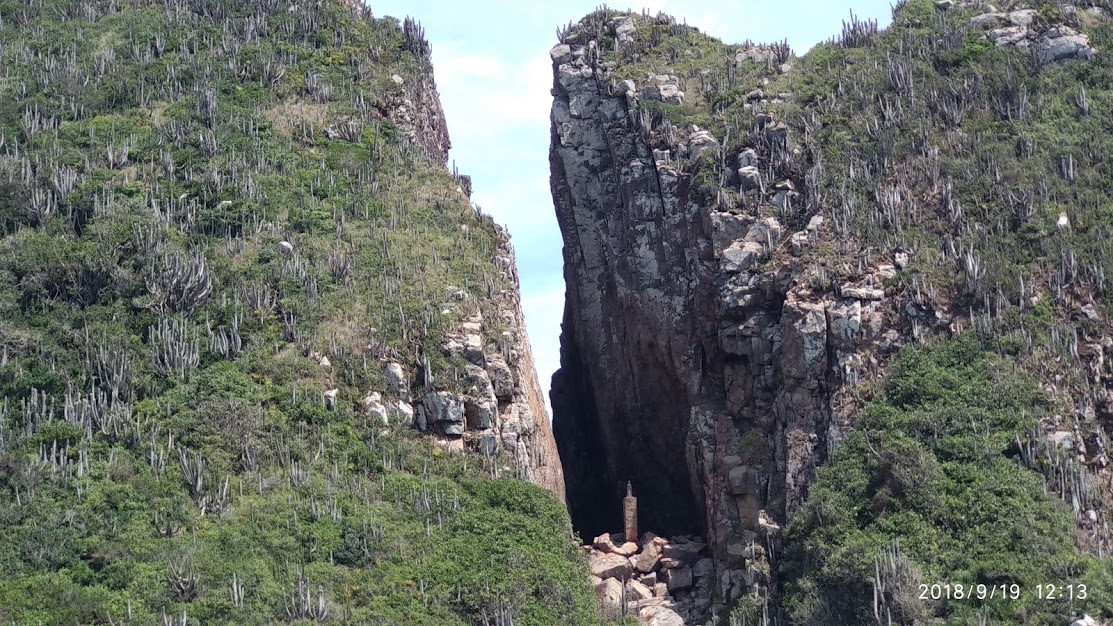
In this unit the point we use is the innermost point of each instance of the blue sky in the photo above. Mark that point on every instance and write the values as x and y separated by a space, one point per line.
491 63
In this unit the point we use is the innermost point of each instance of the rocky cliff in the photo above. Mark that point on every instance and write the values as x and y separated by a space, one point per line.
697 360
499 407
728 304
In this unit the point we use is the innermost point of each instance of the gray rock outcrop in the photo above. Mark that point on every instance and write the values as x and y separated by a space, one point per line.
1057 44
698 358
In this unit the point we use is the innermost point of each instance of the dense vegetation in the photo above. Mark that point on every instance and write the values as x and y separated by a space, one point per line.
987 170
166 453
936 468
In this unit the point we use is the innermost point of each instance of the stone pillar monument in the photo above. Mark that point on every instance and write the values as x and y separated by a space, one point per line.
630 514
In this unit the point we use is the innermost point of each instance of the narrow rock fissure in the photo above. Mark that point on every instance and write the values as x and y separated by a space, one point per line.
646 448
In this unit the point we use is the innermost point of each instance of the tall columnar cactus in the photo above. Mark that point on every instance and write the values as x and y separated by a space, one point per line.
175 350
179 282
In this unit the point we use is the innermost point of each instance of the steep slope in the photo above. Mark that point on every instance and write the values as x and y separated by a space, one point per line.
260 358
751 239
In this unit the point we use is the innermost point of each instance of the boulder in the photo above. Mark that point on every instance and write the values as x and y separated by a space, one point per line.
667 562
1062 439
748 158
660 616
606 543
405 412
988 20
685 552
637 591
650 555
608 595
330 398
561 53
703 568
726 228
1009 36
445 409
862 293
765 231
285 247
741 256
488 443
625 30
1062 43
701 142
624 88
395 378
759 55
606 565
473 348
749 178
626 549
679 578
663 88
374 409
1023 17
502 379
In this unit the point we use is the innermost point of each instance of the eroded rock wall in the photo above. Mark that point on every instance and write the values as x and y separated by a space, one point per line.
701 359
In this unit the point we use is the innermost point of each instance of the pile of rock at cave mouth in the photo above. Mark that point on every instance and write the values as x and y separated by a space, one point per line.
664 582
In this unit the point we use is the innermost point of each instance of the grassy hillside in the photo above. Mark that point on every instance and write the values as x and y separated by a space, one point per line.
985 172
166 451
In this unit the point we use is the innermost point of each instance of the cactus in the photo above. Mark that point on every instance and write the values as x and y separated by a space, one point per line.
179 283
895 585
301 603
175 350
183 580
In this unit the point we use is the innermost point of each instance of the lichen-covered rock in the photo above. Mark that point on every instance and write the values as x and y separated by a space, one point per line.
445 410
663 88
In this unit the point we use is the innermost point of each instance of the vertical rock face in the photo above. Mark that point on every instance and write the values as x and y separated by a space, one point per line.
536 445
697 362
631 347
498 406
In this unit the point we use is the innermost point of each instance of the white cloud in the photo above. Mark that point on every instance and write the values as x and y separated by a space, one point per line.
484 94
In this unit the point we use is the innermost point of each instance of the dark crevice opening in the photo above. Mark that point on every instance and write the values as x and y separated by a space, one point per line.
647 449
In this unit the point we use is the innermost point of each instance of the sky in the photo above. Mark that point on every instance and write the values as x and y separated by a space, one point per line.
492 68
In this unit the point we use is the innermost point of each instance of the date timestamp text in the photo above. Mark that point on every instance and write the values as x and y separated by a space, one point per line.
962 591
